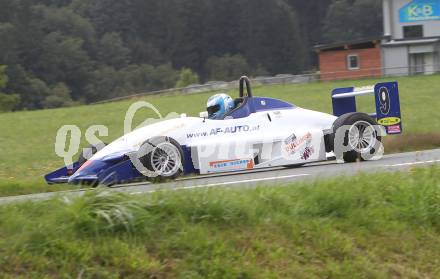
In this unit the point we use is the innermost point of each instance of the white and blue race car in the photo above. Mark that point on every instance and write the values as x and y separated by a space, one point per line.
258 133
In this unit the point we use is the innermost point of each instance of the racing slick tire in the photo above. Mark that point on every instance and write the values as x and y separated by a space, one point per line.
359 140
164 159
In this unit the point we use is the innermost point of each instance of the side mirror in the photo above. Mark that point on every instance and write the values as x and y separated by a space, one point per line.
204 114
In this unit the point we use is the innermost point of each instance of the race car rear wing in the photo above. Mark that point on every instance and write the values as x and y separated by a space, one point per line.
387 104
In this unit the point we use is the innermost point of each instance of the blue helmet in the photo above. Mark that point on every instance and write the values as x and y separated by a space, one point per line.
219 105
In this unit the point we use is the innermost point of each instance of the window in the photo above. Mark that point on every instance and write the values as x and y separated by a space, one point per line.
353 62
413 31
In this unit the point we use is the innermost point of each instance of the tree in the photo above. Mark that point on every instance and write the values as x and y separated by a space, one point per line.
104 48
63 59
105 81
64 21
8 102
32 90
227 68
311 15
110 15
111 51
358 19
187 77
109 82
270 36
3 76
59 97
8 45
163 76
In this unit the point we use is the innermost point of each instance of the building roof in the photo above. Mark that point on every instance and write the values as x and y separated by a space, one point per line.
412 41
347 44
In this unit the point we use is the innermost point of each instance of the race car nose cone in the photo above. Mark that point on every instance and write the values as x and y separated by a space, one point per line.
87 174
83 180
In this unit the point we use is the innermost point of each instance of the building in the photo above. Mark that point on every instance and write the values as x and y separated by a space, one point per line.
411 42
410 45
346 60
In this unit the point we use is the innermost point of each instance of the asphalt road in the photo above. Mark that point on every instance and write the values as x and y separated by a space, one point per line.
273 176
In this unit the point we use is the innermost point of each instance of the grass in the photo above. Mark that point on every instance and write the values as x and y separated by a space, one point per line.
27 138
368 226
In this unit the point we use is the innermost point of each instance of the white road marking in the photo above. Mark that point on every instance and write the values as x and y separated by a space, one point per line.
230 183
246 181
211 175
274 178
413 163
406 155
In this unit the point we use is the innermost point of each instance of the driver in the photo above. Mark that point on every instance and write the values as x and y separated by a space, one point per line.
219 105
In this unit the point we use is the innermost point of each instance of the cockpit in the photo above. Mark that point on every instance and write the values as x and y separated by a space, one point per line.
247 104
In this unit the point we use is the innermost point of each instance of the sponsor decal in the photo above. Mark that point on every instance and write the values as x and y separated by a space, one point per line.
304 144
420 10
389 121
307 152
395 129
225 131
385 102
290 139
293 144
197 135
233 164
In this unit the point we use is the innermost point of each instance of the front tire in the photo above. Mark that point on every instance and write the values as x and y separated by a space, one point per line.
164 159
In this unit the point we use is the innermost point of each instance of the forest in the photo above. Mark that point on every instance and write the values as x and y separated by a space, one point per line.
56 53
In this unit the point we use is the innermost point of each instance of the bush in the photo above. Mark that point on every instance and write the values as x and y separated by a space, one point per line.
187 77
60 97
110 82
8 102
227 68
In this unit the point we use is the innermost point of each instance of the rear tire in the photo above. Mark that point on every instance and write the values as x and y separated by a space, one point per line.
361 138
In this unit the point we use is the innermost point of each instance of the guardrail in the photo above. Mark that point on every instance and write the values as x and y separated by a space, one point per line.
220 85
287 79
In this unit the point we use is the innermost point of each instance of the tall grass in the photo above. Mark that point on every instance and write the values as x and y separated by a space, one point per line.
368 226
104 212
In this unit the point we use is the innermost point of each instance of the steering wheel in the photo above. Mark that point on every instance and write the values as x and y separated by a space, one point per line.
245 80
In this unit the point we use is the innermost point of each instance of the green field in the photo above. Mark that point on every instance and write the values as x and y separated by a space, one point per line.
27 138
369 226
